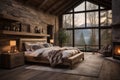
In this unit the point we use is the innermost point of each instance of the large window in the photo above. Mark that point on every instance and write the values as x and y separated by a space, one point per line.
88 26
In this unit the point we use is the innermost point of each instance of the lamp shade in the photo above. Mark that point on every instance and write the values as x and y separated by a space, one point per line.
51 41
12 43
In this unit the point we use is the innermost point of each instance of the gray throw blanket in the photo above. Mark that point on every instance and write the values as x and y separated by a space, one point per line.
55 57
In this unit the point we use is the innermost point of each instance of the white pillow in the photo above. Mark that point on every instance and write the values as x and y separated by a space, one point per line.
32 46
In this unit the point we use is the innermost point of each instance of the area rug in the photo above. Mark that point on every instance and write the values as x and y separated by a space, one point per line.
90 67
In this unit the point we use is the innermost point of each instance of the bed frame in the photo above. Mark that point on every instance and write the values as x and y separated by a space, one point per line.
70 61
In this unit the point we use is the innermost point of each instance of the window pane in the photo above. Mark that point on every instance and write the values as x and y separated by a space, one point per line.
67 21
80 7
86 39
70 38
106 36
92 36
79 20
102 8
91 6
92 43
80 37
106 18
109 17
92 19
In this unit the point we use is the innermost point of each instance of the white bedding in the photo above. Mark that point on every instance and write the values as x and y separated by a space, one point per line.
67 52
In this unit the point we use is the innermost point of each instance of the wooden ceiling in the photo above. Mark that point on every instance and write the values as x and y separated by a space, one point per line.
58 7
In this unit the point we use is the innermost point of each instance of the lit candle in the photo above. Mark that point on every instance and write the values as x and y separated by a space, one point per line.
8 51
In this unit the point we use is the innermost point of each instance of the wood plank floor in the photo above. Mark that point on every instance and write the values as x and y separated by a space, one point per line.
110 71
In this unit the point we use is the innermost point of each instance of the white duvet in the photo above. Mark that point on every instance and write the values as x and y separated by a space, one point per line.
69 51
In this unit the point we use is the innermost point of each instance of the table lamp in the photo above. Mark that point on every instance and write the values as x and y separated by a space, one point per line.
51 41
12 46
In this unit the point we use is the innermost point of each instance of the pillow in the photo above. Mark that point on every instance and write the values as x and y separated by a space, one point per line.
46 45
35 47
27 46
32 46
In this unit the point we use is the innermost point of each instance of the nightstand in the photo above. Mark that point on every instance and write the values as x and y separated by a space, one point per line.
11 60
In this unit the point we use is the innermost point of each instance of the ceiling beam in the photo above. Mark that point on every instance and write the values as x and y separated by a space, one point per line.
26 2
42 4
52 5
56 5
62 6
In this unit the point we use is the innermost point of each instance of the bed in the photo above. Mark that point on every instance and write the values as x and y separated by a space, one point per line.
38 50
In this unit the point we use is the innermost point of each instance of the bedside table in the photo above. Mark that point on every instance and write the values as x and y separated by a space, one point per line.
11 60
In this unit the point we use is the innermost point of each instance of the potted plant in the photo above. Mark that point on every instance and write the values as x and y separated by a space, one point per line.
62 37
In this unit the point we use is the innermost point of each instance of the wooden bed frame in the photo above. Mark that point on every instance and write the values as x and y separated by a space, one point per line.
70 61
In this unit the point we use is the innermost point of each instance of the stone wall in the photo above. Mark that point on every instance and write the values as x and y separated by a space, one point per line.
116 20
116 11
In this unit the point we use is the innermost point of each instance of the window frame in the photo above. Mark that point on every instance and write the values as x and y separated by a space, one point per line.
73 28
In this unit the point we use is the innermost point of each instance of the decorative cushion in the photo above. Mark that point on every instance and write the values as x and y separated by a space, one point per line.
32 46
27 46
35 47
46 45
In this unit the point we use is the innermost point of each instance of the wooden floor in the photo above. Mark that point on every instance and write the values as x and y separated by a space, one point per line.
110 71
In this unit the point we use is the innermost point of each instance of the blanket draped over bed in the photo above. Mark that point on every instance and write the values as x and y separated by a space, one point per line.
55 55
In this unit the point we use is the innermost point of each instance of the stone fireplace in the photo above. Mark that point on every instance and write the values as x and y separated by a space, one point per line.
116 50
116 41
116 28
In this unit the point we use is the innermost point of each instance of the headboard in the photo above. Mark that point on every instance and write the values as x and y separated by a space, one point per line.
23 40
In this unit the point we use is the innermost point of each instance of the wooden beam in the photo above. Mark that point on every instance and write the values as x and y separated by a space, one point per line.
62 6
61 2
42 4
52 5
26 2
